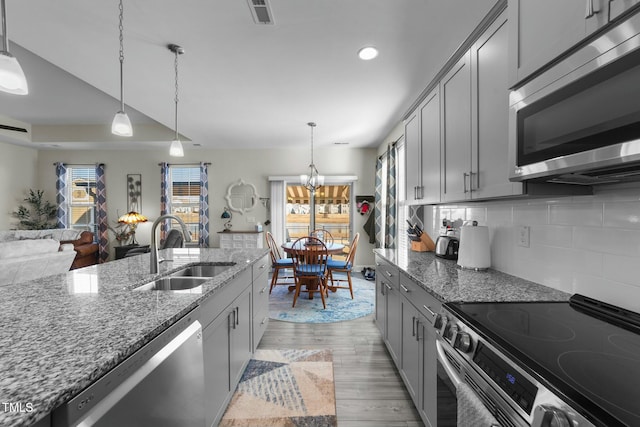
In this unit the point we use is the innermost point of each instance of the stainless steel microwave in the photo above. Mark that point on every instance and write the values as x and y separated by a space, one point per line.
578 122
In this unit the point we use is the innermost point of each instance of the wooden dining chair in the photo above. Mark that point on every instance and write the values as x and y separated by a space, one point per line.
323 235
310 256
278 264
343 266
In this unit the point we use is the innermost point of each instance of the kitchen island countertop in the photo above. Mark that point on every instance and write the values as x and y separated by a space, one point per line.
61 333
446 281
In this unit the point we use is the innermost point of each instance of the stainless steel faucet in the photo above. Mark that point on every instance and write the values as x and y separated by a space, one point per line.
155 263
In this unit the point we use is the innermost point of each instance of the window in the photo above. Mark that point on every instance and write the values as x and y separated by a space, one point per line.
81 195
184 191
333 211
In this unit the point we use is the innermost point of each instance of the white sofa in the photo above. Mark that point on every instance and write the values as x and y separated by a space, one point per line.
32 254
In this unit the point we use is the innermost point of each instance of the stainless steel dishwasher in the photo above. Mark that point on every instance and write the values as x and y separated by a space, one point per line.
162 384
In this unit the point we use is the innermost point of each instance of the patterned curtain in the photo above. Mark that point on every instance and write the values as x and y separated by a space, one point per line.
61 195
101 214
203 219
390 223
164 199
378 203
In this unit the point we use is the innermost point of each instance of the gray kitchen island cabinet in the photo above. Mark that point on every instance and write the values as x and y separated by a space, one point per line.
227 321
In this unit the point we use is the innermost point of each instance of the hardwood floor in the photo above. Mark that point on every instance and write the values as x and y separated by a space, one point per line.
369 390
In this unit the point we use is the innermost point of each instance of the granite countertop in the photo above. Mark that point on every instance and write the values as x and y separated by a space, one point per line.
61 333
446 281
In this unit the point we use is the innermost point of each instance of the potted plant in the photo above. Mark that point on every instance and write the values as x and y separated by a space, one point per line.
39 214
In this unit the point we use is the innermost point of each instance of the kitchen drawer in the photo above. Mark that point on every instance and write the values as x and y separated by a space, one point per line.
261 267
387 271
260 323
215 304
426 303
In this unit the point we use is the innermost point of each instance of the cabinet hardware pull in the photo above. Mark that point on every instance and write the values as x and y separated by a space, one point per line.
238 316
431 312
590 10
404 288
471 174
233 322
417 329
464 182
387 286
263 266
264 321
413 326
388 273
377 263
263 290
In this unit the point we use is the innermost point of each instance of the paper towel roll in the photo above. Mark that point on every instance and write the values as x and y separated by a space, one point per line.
474 252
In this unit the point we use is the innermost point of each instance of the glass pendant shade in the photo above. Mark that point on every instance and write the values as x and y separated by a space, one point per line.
121 124
176 150
12 79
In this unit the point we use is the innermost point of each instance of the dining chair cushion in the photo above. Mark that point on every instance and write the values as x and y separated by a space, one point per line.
310 270
338 264
284 262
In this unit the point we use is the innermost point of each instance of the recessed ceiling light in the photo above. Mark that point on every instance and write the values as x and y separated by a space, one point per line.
367 53
341 143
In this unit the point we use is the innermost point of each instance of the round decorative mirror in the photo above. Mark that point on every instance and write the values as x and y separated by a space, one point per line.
241 196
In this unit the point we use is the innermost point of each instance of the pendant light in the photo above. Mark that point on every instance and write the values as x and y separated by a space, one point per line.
176 149
121 124
12 79
313 180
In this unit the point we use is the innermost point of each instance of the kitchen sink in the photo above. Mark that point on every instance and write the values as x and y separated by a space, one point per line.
203 270
173 284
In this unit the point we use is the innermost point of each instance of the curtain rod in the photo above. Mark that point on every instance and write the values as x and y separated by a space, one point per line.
186 164
78 164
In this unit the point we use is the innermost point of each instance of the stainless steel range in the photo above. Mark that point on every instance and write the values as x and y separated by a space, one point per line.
573 363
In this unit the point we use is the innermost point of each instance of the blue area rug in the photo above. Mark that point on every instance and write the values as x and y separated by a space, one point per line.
340 306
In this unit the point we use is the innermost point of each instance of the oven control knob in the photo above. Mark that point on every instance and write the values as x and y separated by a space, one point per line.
463 342
450 331
550 416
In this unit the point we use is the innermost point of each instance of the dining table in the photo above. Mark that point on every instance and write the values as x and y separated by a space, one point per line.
332 249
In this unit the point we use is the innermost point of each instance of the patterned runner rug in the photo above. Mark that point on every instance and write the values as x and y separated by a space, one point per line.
340 306
286 388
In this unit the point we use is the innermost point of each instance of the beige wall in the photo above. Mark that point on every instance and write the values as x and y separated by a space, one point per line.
18 174
227 166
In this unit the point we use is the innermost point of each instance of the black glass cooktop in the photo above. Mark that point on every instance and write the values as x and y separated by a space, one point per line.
592 362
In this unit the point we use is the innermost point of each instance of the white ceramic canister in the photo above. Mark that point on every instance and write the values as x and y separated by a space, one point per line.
474 252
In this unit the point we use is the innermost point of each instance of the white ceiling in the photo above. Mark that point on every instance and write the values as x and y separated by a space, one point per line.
242 85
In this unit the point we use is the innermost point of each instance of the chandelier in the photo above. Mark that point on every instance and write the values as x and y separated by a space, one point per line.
313 180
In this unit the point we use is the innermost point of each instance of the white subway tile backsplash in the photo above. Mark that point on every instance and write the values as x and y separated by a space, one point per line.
615 241
622 214
622 268
585 244
551 235
586 214
528 214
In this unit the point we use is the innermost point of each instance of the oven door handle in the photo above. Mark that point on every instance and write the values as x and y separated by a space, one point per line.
442 358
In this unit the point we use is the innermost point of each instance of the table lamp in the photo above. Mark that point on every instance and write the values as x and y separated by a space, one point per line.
132 219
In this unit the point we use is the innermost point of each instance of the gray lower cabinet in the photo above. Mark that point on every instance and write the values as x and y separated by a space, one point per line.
389 307
227 349
260 295
233 324
416 357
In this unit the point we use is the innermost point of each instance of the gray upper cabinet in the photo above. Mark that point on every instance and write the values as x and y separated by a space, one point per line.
455 91
489 115
414 168
430 144
422 142
543 30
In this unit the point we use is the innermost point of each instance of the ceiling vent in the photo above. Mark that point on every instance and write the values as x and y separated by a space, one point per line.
261 11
